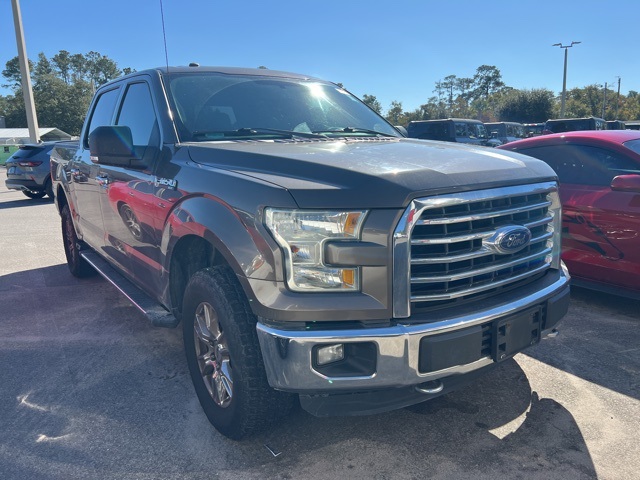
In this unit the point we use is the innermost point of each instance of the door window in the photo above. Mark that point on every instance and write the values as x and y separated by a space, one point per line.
584 165
138 114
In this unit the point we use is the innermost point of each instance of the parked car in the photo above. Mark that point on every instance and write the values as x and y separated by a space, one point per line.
311 253
599 173
460 130
616 125
560 125
28 170
505 131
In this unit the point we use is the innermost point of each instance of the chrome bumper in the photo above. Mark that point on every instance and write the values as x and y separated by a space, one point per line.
288 355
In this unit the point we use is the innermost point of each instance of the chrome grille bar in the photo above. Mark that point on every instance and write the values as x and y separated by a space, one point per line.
484 216
479 289
480 271
476 236
483 252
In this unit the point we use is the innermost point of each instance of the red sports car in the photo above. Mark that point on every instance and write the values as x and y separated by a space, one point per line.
599 174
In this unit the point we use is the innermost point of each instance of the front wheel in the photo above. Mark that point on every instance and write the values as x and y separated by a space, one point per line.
224 356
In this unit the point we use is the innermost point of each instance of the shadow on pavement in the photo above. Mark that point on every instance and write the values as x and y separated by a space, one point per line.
90 390
25 203
599 342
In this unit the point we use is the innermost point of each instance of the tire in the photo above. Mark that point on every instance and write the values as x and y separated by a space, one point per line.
224 357
34 195
48 188
78 266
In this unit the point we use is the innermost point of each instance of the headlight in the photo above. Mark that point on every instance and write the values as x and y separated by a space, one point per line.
556 227
302 234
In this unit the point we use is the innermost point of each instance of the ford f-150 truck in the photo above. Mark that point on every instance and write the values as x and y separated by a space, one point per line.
310 251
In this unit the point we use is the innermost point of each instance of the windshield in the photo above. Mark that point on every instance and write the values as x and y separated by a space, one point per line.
214 106
481 131
470 130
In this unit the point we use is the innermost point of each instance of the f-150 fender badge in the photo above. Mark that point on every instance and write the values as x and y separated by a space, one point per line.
509 239
167 182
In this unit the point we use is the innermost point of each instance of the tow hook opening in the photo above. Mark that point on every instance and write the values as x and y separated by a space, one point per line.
431 387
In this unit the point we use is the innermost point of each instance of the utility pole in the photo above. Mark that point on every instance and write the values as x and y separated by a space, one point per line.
564 77
604 99
27 91
618 99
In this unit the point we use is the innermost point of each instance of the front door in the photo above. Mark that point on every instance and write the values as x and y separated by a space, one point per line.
129 201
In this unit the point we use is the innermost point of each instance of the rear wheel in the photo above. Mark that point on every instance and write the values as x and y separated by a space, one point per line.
224 356
32 194
78 266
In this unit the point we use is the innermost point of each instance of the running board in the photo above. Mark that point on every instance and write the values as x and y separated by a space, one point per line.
156 313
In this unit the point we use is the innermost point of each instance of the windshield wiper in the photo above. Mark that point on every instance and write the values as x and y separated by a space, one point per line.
253 131
355 130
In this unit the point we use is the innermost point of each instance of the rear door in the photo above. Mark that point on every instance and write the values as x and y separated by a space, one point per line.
86 183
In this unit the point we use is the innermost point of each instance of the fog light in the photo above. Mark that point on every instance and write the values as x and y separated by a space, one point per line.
330 354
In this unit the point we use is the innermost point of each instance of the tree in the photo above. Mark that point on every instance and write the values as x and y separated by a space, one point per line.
12 73
101 69
584 102
486 81
62 62
526 106
43 67
373 103
62 88
394 115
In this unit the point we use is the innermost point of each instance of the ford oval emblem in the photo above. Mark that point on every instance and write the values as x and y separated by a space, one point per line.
509 239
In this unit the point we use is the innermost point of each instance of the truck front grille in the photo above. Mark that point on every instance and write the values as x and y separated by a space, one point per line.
445 247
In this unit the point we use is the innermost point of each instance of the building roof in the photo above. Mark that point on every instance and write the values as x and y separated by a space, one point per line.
12 136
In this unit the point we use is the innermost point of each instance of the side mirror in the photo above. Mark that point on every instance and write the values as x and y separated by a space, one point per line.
113 145
626 183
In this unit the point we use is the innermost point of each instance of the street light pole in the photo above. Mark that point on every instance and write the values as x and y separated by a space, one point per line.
564 77
27 91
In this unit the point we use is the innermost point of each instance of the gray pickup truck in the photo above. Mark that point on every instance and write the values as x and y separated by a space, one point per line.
310 251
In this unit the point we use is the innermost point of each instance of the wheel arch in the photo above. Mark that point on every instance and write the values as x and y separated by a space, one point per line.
204 232
60 198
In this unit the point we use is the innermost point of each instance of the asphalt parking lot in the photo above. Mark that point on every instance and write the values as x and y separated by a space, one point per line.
88 389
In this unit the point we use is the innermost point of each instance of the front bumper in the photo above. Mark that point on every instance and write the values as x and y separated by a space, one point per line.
409 355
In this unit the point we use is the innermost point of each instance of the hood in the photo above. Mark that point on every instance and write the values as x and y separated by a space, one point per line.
370 173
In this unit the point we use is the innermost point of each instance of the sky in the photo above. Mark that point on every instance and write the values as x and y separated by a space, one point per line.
396 51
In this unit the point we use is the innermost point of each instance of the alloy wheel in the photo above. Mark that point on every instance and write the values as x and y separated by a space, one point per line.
213 355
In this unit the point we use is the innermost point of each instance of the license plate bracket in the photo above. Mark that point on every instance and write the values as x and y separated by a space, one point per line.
516 332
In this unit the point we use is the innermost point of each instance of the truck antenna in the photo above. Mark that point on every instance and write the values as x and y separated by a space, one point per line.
164 36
